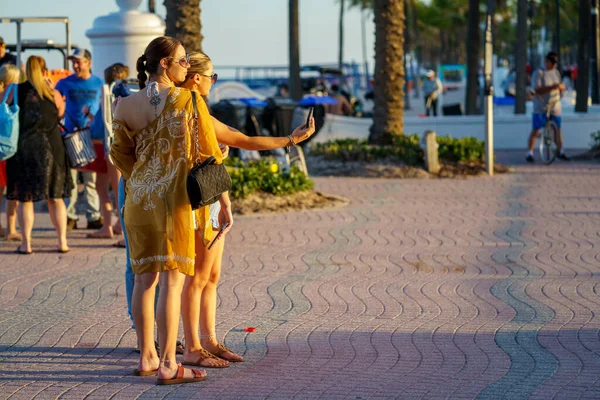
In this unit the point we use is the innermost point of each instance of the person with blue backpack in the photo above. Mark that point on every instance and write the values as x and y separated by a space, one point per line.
39 170
9 75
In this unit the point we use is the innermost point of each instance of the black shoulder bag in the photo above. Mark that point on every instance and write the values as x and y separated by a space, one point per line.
207 180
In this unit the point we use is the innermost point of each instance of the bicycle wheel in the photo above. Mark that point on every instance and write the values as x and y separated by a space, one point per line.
548 147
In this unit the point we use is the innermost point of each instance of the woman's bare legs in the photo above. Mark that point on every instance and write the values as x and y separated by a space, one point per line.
26 217
11 220
208 307
167 318
190 310
102 185
58 216
142 308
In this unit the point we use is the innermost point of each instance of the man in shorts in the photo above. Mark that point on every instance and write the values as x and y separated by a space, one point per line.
547 87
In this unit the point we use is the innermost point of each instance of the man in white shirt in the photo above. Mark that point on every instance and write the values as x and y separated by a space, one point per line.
547 87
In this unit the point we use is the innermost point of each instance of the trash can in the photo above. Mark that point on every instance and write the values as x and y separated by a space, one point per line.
452 109
231 112
277 116
234 113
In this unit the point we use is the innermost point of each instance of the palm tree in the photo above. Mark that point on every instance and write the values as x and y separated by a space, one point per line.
294 42
521 57
389 71
416 47
583 56
473 46
183 23
407 48
341 43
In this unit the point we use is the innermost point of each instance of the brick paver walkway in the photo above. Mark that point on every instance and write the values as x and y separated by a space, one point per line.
476 288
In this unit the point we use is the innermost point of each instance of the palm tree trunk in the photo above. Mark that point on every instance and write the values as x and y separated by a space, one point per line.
294 43
442 49
341 38
521 57
151 6
415 26
389 71
416 73
183 23
473 45
407 48
583 57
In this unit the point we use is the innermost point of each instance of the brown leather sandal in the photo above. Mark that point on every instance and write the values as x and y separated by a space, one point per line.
137 372
205 355
178 378
221 349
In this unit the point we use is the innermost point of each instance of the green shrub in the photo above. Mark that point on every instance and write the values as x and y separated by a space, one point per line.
405 148
467 149
264 176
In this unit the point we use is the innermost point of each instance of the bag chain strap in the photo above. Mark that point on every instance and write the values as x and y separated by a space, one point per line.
195 134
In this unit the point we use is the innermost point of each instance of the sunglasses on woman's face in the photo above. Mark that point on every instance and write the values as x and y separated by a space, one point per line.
183 61
213 77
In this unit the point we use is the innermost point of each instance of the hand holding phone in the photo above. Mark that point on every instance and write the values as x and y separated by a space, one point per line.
310 114
221 230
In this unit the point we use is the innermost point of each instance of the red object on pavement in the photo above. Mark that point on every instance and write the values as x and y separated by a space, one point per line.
249 329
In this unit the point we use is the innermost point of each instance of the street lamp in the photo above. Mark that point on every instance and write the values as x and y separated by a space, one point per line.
489 90
363 17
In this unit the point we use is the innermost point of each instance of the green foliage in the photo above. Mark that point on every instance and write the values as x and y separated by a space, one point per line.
362 3
264 176
405 148
467 149
446 20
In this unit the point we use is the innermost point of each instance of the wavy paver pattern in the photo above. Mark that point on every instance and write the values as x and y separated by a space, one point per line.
482 288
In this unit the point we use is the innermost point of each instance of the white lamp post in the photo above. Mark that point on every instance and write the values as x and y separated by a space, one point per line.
122 36
489 91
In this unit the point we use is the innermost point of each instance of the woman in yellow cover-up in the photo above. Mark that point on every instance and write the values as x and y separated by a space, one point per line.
154 150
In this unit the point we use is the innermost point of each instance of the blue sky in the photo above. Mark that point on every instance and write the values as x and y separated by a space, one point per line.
237 32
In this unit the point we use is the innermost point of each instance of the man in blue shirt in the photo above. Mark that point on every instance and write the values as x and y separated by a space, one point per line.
81 92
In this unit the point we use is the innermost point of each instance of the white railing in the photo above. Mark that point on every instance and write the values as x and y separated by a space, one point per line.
510 131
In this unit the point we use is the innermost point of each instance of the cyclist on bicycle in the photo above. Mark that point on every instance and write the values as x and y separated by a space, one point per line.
547 86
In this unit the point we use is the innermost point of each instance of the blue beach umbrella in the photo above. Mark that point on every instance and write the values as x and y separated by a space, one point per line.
312 100
253 102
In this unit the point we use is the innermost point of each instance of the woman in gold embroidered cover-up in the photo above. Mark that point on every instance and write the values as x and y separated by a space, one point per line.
155 161
154 150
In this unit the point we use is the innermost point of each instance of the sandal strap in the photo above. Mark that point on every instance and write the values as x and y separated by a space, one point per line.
197 374
180 371
222 349
204 354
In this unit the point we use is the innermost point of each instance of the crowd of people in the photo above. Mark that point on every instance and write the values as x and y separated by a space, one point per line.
144 141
